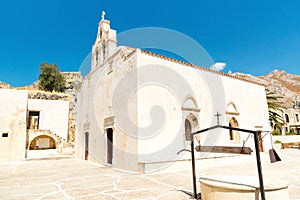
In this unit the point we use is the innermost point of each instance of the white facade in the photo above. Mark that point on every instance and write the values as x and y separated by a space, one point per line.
144 104
291 117
24 122
53 115
13 109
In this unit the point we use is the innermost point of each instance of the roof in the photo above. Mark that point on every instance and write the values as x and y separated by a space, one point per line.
199 67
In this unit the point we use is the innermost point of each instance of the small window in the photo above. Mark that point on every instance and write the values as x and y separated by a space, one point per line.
4 134
297 118
34 118
287 119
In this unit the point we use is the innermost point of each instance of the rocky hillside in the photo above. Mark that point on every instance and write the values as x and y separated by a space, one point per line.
281 83
5 85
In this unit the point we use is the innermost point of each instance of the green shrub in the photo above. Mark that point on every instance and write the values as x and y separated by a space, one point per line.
277 142
290 133
50 78
276 132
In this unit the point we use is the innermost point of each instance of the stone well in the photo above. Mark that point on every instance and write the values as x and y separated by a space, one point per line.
241 187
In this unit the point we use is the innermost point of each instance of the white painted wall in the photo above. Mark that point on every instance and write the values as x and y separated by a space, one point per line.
94 102
173 83
13 109
54 115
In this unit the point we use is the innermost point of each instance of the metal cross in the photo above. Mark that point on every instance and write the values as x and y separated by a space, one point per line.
218 117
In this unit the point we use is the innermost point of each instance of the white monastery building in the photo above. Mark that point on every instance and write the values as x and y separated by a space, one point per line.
136 109
30 124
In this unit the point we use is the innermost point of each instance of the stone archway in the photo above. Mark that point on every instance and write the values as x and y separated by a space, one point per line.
234 135
44 137
42 142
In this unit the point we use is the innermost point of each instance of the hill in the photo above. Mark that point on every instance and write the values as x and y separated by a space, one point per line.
281 83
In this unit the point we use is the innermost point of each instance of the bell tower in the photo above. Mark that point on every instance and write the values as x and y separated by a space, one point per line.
105 44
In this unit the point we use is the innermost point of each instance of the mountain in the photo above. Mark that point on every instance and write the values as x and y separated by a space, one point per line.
5 85
281 83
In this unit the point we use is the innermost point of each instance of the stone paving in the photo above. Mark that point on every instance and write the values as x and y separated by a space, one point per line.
76 179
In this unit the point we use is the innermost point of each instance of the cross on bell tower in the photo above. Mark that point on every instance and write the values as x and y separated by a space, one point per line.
103 15
218 117
105 44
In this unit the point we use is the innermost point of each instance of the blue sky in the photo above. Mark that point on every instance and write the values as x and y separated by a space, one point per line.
250 36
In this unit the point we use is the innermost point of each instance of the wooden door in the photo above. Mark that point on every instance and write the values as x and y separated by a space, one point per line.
109 145
86 156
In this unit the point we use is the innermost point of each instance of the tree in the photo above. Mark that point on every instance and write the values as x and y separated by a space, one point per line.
50 78
275 104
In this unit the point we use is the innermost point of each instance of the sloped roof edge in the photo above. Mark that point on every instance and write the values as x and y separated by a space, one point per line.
199 67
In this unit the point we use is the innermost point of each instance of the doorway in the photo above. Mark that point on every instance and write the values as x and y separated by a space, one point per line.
86 139
109 135
233 135
191 125
188 130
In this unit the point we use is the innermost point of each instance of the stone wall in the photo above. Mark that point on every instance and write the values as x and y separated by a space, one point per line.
73 84
38 94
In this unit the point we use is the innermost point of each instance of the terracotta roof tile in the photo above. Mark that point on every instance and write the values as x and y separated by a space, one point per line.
199 67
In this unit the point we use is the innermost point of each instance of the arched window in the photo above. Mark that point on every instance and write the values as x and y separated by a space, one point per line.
287 119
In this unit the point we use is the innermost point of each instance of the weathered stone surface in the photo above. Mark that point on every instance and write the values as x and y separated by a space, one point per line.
5 85
38 94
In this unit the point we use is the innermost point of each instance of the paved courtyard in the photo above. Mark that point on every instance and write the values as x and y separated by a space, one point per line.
76 179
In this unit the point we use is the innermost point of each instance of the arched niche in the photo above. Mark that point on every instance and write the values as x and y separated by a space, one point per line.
42 142
231 109
190 104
